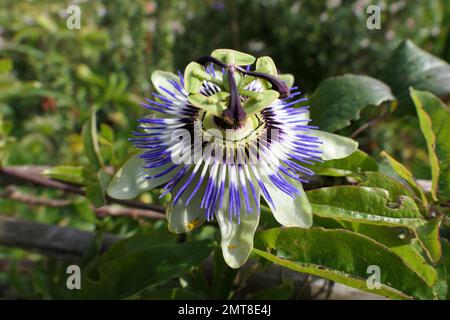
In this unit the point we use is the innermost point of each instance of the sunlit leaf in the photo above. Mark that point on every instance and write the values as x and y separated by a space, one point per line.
434 118
363 204
405 174
345 257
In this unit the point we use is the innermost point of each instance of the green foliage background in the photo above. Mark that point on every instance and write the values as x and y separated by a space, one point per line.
52 80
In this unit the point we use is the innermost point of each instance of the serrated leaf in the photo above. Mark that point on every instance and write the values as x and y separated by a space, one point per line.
338 100
434 118
343 256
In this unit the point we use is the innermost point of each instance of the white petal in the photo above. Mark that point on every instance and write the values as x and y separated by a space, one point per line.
237 239
184 218
161 78
288 211
303 116
334 146
129 181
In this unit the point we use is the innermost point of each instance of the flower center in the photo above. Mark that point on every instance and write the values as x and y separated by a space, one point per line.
235 116
214 127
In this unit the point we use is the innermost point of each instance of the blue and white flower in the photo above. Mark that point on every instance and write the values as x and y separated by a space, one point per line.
218 138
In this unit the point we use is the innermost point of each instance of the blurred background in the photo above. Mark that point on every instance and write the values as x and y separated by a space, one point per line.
51 76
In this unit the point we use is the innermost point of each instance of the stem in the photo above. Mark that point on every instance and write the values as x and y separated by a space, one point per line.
33 175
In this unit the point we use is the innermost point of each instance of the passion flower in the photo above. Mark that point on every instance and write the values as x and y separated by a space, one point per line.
220 136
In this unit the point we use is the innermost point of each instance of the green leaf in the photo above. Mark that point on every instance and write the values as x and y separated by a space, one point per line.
343 256
107 133
410 66
21 90
223 276
134 264
428 235
395 188
401 241
229 56
334 146
69 174
90 141
443 268
366 205
434 118
284 291
355 164
6 65
339 100
405 174
96 184
84 73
